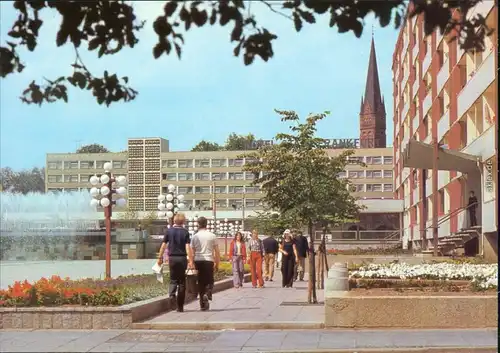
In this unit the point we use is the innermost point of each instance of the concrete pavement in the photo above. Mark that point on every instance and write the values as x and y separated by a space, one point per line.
484 341
271 307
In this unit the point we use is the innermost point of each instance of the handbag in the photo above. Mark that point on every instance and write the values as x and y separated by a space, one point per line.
192 281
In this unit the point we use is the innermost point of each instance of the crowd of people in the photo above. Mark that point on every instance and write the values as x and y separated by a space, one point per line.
200 253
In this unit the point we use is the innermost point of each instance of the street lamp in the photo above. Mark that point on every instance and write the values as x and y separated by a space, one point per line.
103 196
193 224
170 204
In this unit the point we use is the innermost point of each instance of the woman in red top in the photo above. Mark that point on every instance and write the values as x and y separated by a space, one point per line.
238 255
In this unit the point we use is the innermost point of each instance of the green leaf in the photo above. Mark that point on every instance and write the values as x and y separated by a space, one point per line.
297 21
170 8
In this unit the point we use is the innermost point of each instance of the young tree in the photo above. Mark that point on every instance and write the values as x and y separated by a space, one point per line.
204 146
300 180
24 181
92 148
108 26
237 142
271 223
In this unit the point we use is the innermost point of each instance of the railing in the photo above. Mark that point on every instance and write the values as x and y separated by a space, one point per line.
347 235
362 235
448 216
377 234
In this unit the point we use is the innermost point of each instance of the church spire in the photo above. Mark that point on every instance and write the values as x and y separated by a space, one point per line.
373 97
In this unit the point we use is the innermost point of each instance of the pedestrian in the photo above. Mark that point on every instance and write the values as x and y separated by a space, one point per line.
280 255
255 258
206 261
289 251
238 256
271 248
180 257
472 207
302 246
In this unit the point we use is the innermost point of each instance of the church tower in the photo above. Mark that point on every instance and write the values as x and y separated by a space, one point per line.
372 111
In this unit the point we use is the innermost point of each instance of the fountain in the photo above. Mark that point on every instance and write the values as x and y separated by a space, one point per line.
44 226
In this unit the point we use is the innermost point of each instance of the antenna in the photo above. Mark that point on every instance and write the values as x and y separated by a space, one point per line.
372 30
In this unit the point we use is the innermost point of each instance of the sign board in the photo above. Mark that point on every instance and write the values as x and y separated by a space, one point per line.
255 145
342 143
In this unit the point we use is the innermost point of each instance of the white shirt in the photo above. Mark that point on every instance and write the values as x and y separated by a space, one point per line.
203 244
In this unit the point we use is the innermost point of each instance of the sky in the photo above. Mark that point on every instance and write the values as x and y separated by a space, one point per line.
208 94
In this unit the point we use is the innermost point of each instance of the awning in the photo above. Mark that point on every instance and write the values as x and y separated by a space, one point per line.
419 155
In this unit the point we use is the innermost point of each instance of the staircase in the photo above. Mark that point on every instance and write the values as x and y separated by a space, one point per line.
447 245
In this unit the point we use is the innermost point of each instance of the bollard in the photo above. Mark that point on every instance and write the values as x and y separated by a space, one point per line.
338 278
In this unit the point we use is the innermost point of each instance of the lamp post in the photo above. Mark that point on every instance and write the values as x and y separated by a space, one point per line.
193 224
103 196
170 204
225 228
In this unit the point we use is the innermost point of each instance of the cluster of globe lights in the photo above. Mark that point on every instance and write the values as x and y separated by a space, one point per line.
215 226
102 196
168 204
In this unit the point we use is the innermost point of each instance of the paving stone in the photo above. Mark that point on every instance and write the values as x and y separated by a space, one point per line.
233 338
148 347
112 347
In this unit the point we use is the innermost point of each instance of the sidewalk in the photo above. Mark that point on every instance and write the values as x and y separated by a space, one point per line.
248 308
444 341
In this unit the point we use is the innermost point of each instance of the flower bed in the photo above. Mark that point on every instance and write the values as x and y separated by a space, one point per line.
480 276
56 291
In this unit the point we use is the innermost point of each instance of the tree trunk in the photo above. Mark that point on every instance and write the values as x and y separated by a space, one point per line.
311 296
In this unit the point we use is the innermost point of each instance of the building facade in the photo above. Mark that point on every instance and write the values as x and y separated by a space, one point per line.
446 132
201 177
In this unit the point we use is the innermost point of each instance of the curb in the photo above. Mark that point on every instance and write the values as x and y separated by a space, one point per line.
219 326
378 350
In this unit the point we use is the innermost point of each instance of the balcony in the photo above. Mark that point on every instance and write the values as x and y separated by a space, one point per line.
484 77
483 8
427 62
443 75
426 105
443 125
416 195
406 41
406 75
443 178
439 37
407 201
405 174
416 86
483 146
415 50
428 139
404 112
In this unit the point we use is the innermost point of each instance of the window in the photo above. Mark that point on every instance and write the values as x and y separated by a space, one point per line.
236 189
100 164
55 178
250 160
235 162
219 176
71 165
202 204
169 163
388 187
85 178
169 176
355 160
235 203
221 189
71 178
219 163
87 164
54 165
185 163
252 189
374 187
415 178
357 187
249 176
185 176
251 203
221 203
388 160
235 176
202 190
184 190
342 175
202 176
70 189
55 190
117 164
355 174
388 173
373 160
202 163
441 201
373 174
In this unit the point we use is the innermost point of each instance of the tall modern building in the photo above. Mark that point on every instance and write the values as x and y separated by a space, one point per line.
446 134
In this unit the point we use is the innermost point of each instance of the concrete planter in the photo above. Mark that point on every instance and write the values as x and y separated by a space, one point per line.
345 310
92 318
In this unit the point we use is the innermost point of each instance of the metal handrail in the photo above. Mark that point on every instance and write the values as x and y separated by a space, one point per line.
449 215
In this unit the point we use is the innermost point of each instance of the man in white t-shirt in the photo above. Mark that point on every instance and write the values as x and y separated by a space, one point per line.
206 261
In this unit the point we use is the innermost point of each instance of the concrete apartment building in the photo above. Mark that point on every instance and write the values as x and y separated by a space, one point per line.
446 134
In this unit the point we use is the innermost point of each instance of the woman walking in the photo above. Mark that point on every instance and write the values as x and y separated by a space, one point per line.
238 255
255 259
289 259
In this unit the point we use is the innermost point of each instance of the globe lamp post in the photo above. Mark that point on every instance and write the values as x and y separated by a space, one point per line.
102 191
170 204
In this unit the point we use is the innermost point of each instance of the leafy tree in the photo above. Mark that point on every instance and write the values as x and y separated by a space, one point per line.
271 223
24 181
205 146
237 142
92 148
108 26
300 180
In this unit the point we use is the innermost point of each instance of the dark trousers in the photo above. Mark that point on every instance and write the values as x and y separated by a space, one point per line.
177 287
472 217
205 278
287 270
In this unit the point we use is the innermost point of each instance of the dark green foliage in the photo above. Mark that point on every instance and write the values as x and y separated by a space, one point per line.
93 148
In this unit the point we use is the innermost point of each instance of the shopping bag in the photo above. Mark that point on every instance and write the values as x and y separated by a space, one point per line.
158 270
192 282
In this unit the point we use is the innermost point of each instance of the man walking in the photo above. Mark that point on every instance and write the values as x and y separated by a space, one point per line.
177 240
270 250
472 207
206 261
302 250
